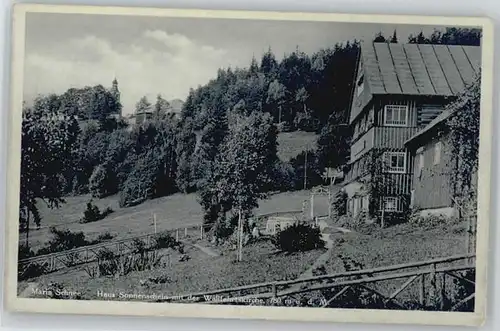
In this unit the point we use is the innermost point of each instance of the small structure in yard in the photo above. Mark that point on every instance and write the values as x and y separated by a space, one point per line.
276 224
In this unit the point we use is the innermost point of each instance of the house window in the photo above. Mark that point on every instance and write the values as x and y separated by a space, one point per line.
395 162
392 204
396 115
360 85
437 153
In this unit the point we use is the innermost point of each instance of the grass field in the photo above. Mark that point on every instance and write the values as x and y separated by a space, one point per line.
172 212
291 144
201 272
398 244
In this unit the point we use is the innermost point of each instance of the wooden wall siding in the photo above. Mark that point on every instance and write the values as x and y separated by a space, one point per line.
387 70
362 145
392 137
474 55
402 67
463 63
364 123
418 69
427 112
432 185
435 71
358 168
360 102
412 110
450 70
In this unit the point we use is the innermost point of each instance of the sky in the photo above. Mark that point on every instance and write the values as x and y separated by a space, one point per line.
162 55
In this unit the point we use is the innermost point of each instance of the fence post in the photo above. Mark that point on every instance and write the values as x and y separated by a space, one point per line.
185 232
433 289
201 232
443 291
274 290
177 235
422 290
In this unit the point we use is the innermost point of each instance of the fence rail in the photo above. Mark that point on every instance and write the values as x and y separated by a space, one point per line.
86 254
423 271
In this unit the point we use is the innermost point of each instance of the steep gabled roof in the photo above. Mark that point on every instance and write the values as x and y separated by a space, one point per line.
419 69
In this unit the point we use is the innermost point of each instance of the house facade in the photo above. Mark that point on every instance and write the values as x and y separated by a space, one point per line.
432 167
399 89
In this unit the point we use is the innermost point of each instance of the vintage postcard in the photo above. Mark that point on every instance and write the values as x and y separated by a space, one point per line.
260 165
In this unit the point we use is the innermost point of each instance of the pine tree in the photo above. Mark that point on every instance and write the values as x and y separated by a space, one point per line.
394 38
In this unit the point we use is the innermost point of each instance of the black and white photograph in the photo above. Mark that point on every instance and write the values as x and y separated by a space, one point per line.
212 160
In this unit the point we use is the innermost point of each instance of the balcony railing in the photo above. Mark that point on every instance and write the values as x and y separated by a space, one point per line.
392 137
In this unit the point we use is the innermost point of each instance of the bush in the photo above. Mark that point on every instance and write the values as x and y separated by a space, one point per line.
98 182
93 214
431 220
339 203
105 236
283 177
24 252
107 262
165 240
63 240
299 238
31 270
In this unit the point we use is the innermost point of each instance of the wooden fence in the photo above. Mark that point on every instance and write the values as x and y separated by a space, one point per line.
86 254
431 278
56 261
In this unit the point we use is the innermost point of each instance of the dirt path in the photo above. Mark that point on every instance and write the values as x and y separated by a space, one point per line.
323 258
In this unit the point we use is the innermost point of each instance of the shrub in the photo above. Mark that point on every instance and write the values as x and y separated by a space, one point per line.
465 289
93 214
24 252
299 237
283 177
97 182
107 262
31 270
431 220
63 240
165 240
104 236
339 203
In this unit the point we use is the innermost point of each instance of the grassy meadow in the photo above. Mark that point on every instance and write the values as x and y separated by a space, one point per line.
172 212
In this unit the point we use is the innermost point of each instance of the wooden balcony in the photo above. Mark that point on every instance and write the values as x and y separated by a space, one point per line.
392 137
396 184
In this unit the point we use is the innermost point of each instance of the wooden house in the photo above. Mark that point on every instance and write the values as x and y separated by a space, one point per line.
398 90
